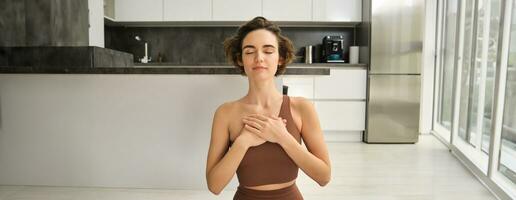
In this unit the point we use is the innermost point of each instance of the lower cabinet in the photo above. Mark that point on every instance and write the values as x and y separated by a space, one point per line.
338 100
341 115
300 86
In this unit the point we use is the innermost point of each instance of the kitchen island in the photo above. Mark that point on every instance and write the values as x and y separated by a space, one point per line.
134 130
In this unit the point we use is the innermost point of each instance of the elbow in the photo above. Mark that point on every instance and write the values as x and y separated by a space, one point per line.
324 181
213 189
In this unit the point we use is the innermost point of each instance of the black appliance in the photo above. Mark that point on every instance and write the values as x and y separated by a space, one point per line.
333 49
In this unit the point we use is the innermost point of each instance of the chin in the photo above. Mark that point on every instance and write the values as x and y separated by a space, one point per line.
262 76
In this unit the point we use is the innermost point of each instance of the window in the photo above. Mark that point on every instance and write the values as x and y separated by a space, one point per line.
444 115
508 144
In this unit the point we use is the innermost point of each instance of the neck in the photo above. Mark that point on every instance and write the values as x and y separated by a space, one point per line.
263 93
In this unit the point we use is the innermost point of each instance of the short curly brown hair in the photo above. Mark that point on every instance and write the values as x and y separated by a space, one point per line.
233 45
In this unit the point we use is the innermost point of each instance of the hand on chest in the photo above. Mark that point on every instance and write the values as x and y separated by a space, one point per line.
265 123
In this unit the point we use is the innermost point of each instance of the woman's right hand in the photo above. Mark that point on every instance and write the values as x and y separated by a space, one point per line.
249 139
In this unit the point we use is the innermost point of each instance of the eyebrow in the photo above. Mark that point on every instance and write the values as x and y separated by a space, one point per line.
264 46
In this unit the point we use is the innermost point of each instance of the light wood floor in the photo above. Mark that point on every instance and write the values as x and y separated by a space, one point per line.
360 172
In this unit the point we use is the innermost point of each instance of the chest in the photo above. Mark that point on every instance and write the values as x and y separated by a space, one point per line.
236 124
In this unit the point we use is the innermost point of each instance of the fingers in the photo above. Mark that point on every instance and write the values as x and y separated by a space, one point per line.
263 117
253 122
261 120
274 117
252 129
258 116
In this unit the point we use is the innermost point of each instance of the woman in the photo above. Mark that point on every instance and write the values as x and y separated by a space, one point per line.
258 137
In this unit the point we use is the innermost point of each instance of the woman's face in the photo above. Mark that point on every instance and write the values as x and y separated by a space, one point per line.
260 54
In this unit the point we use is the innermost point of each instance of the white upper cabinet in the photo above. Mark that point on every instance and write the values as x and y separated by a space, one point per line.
337 10
109 9
287 10
236 10
137 10
187 10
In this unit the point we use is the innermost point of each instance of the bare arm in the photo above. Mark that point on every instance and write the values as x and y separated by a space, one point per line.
314 160
220 174
222 163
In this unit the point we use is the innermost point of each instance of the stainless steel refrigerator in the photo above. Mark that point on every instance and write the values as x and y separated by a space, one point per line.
394 76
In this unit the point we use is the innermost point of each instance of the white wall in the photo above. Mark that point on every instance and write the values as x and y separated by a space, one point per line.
141 131
428 63
96 30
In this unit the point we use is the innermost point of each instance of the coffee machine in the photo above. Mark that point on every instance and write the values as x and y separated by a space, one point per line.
333 49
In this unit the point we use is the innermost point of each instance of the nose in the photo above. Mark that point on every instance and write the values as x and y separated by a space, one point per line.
258 57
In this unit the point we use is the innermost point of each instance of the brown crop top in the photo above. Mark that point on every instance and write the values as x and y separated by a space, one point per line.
268 163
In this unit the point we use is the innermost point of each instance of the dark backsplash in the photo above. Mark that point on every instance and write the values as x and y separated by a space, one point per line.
203 45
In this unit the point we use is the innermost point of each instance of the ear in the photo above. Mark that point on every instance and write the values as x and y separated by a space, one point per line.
239 62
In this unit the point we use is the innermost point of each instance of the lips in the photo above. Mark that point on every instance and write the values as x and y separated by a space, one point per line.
259 68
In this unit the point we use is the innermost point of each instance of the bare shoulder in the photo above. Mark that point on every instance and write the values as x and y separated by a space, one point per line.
222 121
303 113
225 109
301 105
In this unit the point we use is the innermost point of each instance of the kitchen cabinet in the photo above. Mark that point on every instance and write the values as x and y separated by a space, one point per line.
300 86
138 11
124 127
341 115
347 84
96 23
287 10
337 10
109 9
187 10
339 99
236 10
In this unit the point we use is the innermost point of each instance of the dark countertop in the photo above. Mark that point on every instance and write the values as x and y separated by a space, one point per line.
155 70
96 60
295 65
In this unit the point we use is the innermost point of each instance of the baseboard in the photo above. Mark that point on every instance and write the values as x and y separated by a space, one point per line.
343 136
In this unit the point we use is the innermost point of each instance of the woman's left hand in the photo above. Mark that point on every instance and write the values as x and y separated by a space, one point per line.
272 128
